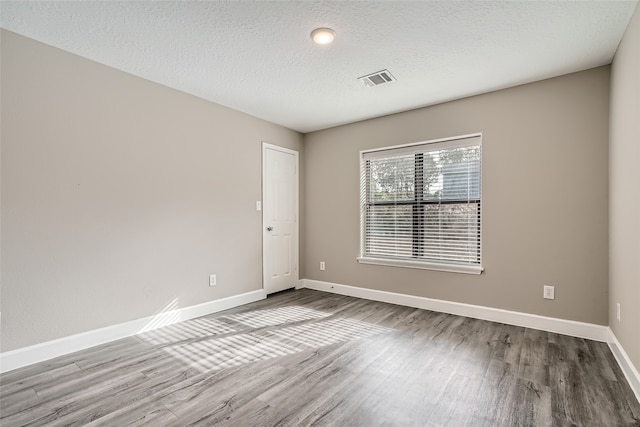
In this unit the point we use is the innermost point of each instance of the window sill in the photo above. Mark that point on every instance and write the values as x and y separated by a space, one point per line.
424 265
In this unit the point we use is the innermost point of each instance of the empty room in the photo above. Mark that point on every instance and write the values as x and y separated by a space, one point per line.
295 213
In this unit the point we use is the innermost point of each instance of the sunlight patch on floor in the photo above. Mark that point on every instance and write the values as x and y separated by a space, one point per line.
277 316
234 350
330 332
238 349
187 330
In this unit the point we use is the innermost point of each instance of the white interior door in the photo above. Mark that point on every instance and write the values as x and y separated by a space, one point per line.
279 218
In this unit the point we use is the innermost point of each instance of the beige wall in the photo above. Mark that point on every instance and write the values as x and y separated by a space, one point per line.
625 192
545 190
119 195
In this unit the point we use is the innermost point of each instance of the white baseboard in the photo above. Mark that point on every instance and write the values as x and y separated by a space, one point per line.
630 371
533 321
25 356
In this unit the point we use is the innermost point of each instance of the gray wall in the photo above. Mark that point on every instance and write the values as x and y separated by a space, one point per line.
119 195
545 191
624 192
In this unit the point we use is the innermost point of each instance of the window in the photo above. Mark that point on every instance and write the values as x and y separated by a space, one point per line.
421 205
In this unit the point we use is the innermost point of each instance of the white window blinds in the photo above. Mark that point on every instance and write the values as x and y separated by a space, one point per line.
422 203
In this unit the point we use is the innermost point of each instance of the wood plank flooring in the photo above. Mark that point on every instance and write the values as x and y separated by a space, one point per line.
304 358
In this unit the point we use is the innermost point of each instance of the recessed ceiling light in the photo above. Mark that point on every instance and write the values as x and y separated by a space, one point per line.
323 35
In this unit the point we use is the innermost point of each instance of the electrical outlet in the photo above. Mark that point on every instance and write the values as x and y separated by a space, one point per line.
618 311
322 266
549 292
212 280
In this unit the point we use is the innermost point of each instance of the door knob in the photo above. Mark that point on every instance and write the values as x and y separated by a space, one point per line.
269 228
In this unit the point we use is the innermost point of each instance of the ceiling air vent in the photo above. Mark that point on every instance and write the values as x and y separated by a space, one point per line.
377 79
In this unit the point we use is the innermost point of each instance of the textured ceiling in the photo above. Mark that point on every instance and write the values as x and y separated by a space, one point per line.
257 57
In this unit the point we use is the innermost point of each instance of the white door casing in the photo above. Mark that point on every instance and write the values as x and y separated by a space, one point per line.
279 218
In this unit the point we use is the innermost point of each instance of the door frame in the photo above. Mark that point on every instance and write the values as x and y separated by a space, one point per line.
268 146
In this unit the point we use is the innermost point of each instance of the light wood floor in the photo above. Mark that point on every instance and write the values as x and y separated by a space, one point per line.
311 358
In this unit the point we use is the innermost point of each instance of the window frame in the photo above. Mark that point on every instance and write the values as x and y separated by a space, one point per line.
418 204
